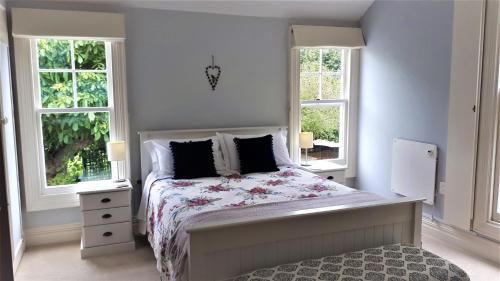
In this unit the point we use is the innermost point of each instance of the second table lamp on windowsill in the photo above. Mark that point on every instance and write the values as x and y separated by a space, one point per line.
306 142
116 152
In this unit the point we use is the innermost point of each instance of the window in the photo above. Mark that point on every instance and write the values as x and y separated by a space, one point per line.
486 217
324 102
494 193
324 82
72 99
496 207
73 104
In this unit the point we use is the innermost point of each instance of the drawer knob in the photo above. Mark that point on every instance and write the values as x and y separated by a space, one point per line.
105 200
329 178
107 234
106 216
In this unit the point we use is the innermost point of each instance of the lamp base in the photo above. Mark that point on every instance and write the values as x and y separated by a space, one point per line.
119 180
305 165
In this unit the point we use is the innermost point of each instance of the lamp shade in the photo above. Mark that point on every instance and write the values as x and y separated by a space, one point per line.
306 140
116 150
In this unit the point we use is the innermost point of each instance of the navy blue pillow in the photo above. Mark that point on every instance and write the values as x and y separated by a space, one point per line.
256 155
193 159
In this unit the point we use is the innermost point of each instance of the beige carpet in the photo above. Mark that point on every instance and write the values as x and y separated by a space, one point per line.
477 268
62 262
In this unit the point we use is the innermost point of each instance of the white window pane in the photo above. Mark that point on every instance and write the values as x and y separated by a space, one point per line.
332 60
331 87
309 60
325 122
497 203
56 89
309 87
495 212
54 54
75 147
92 89
74 143
90 55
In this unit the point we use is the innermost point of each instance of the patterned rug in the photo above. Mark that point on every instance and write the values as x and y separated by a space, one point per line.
386 263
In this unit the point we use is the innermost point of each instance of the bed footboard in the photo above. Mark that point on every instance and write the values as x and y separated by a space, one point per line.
219 251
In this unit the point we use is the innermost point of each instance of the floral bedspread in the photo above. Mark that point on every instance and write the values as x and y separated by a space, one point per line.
173 201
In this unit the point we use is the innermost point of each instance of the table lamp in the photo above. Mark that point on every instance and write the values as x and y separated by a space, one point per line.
306 142
116 152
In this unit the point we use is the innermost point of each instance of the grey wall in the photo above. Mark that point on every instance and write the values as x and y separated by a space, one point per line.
167 89
405 75
166 56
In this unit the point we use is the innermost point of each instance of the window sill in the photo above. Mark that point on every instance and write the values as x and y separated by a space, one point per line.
68 198
39 202
324 166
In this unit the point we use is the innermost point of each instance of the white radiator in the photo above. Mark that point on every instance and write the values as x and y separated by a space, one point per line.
414 169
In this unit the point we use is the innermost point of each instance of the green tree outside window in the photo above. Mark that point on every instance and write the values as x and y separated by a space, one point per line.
74 143
321 76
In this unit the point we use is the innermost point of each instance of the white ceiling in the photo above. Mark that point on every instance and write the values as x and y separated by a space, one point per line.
341 10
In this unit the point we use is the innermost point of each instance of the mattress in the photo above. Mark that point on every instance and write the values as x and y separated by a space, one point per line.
391 263
169 206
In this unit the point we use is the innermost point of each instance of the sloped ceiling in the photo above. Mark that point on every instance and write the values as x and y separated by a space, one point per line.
342 10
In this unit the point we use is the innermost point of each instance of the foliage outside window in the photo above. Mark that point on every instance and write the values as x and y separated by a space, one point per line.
73 109
323 100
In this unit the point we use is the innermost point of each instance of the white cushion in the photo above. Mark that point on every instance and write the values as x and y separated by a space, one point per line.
162 159
150 148
230 153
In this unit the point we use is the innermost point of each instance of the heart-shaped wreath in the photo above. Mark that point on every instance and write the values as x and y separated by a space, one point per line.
213 73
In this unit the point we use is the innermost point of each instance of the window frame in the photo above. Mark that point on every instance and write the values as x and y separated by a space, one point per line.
351 87
40 111
342 103
485 219
38 195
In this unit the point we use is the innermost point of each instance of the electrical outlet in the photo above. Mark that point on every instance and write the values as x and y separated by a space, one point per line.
442 188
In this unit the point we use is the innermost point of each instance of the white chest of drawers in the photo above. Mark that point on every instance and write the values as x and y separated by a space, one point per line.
336 176
329 170
107 220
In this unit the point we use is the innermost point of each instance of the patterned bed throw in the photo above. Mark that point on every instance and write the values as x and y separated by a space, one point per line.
172 205
391 263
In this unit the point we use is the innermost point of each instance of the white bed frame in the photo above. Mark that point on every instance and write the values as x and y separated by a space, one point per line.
218 251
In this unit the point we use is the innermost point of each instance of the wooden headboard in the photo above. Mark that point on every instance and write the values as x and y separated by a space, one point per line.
194 133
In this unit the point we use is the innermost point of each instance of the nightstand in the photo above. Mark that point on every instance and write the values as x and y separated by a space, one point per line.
107 219
328 170
336 176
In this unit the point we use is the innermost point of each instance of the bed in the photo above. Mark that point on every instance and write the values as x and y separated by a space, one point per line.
217 228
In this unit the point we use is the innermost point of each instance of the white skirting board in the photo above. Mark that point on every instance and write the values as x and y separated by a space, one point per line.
53 234
18 255
465 240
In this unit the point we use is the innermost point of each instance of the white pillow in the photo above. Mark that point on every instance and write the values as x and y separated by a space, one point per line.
150 148
162 160
230 153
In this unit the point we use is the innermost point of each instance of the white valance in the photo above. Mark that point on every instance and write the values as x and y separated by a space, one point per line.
327 36
56 23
